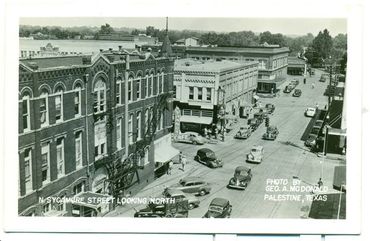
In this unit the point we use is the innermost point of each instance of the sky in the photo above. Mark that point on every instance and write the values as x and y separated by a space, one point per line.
287 26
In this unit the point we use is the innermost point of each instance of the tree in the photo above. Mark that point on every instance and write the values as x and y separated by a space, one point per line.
323 44
106 29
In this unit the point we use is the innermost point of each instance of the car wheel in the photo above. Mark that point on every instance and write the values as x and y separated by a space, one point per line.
169 215
202 192
191 206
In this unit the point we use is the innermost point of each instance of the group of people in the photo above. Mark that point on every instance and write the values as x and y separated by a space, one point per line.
182 161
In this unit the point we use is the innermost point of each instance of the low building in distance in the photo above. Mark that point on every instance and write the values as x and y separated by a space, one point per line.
296 66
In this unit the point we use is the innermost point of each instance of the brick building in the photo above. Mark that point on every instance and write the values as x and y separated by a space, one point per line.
91 123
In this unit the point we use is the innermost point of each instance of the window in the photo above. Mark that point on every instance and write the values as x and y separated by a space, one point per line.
100 138
151 117
26 120
79 188
62 205
28 169
99 96
44 116
78 149
175 91
200 93
118 91
130 129
138 125
60 157
138 88
119 133
162 83
209 93
160 118
156 84
146 157
77 100
150 91
130 80
59 105
191 93
147 121
145 86
45 160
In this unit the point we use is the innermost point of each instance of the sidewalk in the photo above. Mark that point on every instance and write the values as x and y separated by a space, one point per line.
156 188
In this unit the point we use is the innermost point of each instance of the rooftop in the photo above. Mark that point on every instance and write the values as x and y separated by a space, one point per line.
56 61
209 66
251 49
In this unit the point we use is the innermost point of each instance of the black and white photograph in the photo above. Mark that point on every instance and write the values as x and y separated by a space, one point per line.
168 122
172 120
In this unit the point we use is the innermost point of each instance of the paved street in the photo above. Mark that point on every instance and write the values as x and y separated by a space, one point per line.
283 158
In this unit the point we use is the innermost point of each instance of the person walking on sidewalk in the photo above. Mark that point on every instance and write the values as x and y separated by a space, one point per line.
169 170
183 162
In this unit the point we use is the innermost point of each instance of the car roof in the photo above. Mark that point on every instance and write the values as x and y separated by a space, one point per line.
205 150
219 202
258 147
174 192
242 168
191 179
311 108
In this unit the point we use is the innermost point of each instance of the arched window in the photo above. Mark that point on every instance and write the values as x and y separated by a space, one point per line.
44 108
118 91
138 87
26 117
145 86
138 125
99 96
162 82
59 105
77 100
150 90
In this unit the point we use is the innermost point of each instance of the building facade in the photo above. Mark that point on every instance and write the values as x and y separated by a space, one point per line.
90 123
296 66
198 84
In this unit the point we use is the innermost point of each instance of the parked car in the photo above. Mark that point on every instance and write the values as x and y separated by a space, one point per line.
319 123
208 157
294 82
190 137
297 93
192 185
256 154
324 77
310 112
179 209
271 133
270 108
311 140
219 208
254 123
315 130
178 195
241 179
244 132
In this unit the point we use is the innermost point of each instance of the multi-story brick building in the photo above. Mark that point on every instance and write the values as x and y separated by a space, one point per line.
198 84
91 123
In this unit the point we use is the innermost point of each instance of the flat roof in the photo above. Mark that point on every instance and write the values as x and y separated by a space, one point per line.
208 66
55 61
251 49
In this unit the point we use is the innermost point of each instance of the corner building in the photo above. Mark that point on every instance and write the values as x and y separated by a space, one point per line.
91 123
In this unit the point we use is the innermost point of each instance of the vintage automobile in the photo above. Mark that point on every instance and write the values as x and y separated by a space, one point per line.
208 157
190 137
219 208
192 185
315 130
179 209
288 89
242 177
311 140
271 133
270 108
318 123
310 112
244 132
254 123
178 195
297 93
256 154
294 82
324 77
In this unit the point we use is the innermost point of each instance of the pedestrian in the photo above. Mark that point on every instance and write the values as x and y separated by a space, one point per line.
317 106
313 85
319 183
304 81
183 163
169 170
180 157
205 131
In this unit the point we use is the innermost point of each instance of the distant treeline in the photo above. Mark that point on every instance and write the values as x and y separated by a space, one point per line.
316 48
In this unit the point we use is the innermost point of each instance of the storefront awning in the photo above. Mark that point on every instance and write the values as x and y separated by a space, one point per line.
196 119
163 156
